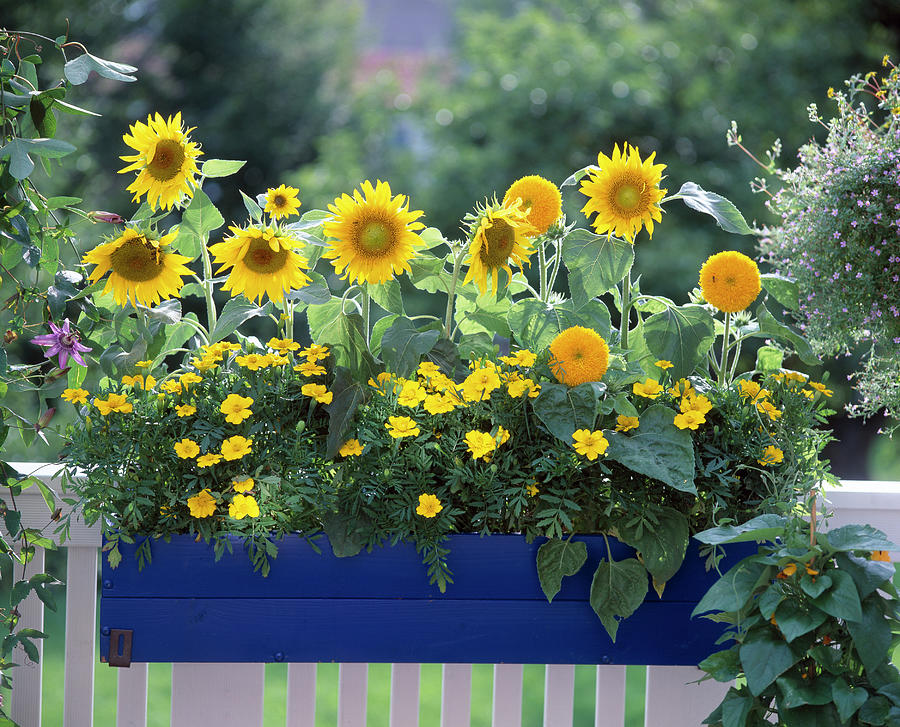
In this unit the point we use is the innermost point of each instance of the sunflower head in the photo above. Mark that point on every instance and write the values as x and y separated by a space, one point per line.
141 268
540 199
282 202
729 281
578 355
624 193
262 262
499 236
166 160
373 234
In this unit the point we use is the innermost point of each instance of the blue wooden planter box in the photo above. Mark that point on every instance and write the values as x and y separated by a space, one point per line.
379 607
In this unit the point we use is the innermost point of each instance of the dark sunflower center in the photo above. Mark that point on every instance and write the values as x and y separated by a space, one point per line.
279 201
261 258
167 160
499 240
628 197
136 260
375 237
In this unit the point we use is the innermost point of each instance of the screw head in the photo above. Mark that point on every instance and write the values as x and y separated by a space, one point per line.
107 584
279 656
605 660
105 631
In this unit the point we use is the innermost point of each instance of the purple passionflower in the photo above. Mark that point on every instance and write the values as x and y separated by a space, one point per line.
63 342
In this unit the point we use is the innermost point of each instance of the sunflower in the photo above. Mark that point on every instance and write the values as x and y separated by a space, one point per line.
141 268
262 262
624 193
540 197
282 202
499 236
729 281
578 355
166 160
373 234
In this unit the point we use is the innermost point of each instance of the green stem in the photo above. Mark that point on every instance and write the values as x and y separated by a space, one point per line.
451 294
626 310
723 363
211 315
542 270
557 258
366 311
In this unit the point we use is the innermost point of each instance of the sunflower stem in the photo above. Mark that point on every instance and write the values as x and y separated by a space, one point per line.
723 364
211 316
451 293
542 269
557 258
366 311
626 310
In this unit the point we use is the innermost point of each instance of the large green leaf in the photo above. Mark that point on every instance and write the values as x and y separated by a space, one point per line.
797 692
536 324
732 590
770 327
681 335
18 151
595 263
662 547
723 666
388 296
867 574
556 559
221 167
199 219
784 290
765 657
842 599
564 409
348 395
858 537
235 312
762 527
871 634
427 273
795 620
847 698
657 449
716 206
343 333
403 345
79 69
482 313
617 590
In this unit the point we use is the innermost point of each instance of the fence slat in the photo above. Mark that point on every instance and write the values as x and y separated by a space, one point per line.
405 695
81 614
507 707
301 695
26 701
226 695
131 696
610 706
559 695
352 689
668 686
456 695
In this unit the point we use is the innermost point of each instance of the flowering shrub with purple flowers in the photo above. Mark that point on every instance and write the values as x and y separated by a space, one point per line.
838 235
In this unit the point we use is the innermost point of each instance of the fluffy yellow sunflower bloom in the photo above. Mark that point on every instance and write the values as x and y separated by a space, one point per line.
540 199
140 268
578 355
624 193
373 234
500 237
282 202
262 262
166 160
729 281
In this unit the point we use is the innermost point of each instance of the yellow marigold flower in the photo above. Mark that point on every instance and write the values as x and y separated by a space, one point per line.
821 388
771 455
578 355
729 281
171 386
262 262
242 506
201 505
626 423
808 394
590 444
696 403
399 427
663 364
882 555
498 239
429 505
480 444
624 193
208 460
373 234
236 447
319 392
520 358
767 407
751 391
254 361
478 385
310 368
187 448
114 402
76 396
189 378
282 202
206 363
244 485
502 436
166 160
439 403
690 419
532 489
682 388
795 376
236 408
351 448
830 92
523 385
315 352
144 364
185 410
427 369
540 198
381 383
412 394
282 345
139 381
277 360
649 389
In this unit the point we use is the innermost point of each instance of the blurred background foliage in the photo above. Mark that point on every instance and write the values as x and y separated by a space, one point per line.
452 101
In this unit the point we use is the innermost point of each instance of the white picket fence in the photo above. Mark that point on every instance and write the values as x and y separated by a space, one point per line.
229 695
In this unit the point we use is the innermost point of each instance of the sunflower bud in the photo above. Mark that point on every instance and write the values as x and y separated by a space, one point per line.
110 217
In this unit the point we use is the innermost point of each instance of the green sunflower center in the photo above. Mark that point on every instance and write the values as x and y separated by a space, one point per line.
375 237
136 260
261 258
167 160
628 197
499 240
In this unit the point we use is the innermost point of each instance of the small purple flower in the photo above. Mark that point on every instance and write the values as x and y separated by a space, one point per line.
64 342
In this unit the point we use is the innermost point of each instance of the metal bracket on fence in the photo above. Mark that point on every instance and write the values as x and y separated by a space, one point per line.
120 656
